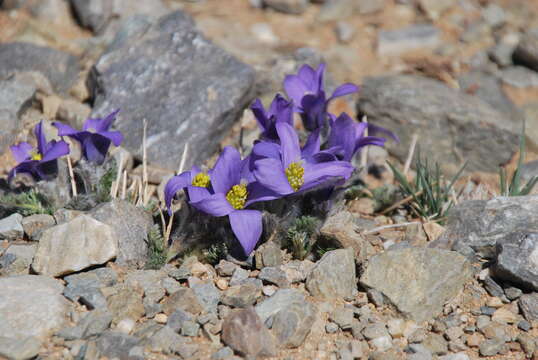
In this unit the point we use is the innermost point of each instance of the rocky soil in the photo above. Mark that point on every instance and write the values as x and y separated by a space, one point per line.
79 281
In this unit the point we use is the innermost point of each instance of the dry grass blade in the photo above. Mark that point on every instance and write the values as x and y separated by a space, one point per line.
364 153
410 154
72 177
392 226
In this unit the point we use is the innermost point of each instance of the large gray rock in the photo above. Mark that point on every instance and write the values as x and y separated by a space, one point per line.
244 332
281 300
11 227
19 349
480 224
417 281
60 68
131 225
517 259
15 97
31 305
526 52
81 243
333 277
292 324
16 259
97 14
170 75
452 125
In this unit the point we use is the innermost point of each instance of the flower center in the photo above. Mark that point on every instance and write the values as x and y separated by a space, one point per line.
201 180
237 196
295 175
34 155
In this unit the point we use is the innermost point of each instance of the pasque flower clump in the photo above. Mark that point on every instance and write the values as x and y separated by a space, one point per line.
278 166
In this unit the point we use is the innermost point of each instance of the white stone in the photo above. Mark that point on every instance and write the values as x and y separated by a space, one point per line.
125 325
382 343
31 306
74 246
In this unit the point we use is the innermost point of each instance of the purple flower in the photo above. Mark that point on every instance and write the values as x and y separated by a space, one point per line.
196 183
307 92
232 193
279 110
41 163
95 137
348 136
297 170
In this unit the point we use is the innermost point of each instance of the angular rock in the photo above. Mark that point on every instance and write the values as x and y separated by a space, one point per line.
34 225
241 295
341 228
97 14
275 276
16 259
519 77
333 277
417 281
526 52
369 6
117 345
208 295
19 349
177 318
434 8
131 225
181 83
150 281
480 224
292 324
15 98
288 6
60 68
528 304
94 323
268 254
281 300
246 334
184 299
11 227
517 260
411 38
86 287
491 347
126 303
31 305
74 246
455 122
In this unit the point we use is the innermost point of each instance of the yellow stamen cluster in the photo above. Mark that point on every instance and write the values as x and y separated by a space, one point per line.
237 196
295 175
201 180
34 155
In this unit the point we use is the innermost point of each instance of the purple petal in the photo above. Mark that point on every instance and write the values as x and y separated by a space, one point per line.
343 90
65 130
115 136
317 173
56 150
370 140
173 186
325 155
375 129
320 74
289 144
107 121
295 88
259 113
95 148
197 193
312 144
344 133
314 111
257 192
21 151
227 170
270 174
308 76
247 227
40 136
215 205
46 170
25 167
265 149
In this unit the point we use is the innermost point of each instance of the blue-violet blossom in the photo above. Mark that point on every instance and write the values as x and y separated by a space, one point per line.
280 110
95 137
41 163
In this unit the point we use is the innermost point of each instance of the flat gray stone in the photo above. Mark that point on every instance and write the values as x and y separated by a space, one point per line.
181 82
11 227
411 38
131 225
333 277
74 246
150 281
16 259
117 345
455 121
288 6
528 304
417 281
34 225
60 68
208 295
241 295
282 299
19 349
517 260
31 306
292 324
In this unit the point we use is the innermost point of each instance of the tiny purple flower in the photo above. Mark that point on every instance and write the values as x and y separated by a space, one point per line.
41 163
231 192
195 182
347 136
95 137
279 110
297 170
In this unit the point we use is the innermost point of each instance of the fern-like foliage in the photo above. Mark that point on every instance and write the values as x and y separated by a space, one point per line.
26 203
157 250
301 236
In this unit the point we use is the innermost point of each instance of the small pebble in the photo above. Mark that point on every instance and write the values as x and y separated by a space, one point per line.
161 318
524 325
125 326
222 284
331 328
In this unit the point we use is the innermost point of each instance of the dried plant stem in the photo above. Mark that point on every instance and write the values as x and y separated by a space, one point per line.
145 199
183 158
115 186
124 185
385 227
401 202
410 154
168 228
72 177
